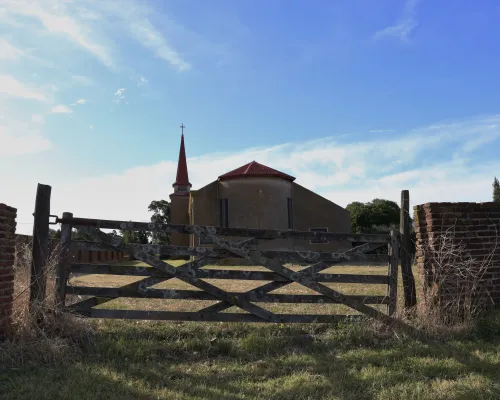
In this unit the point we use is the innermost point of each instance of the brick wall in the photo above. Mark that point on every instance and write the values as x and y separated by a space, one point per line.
81 255
7 250
470 229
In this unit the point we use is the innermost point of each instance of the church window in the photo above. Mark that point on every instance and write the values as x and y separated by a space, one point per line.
319 239
223 213
290 213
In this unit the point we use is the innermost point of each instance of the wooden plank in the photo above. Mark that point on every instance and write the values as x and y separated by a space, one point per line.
62 270
211 317
153 293
392 289
235 232
40 246
410 292
295 257
186 275
229 274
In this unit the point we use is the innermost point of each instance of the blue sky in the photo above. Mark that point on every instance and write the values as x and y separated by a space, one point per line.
357 99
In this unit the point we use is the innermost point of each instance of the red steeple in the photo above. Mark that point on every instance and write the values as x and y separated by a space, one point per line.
182 178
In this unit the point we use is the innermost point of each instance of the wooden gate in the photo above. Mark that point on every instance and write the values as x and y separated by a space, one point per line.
193 273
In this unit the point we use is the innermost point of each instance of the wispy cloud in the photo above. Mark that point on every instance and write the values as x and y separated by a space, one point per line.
80 101
20 138
8 51
404 27
151 38
142 82
119 95
37 119
10 86
381 130
61 109
57 19
82 80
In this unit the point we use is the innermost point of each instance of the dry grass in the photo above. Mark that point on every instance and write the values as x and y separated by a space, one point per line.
40 333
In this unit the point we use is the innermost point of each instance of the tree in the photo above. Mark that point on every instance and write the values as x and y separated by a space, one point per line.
53 234
360 217
161 215
379 215
136 237
385 215
496 191
76 234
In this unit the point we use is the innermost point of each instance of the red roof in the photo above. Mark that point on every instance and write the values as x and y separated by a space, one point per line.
182 178
255 169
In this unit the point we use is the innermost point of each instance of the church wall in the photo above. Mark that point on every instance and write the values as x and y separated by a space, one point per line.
313 211
259 203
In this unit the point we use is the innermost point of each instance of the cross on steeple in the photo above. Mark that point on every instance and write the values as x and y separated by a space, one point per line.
182 127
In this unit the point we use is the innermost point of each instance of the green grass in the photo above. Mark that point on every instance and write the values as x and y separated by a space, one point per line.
170 360
152 360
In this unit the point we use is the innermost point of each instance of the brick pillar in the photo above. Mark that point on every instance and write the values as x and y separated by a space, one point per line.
7 251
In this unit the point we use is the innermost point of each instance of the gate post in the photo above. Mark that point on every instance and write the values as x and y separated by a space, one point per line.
63 264
40 246
410 292
393 273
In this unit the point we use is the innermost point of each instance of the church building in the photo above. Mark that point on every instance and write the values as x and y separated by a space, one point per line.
255 196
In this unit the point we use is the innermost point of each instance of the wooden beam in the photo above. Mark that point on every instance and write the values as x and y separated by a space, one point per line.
235 232
40 246
227 274
211 317
410 292
355 254
253 296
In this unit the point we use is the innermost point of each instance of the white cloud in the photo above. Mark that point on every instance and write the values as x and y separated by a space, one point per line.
18 138
119 92
80 101
142 81
91 126
404 27
8 51
61 109
56 19
37 118
82 80
10 86
381 130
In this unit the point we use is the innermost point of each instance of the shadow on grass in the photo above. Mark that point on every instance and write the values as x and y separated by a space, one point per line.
249 361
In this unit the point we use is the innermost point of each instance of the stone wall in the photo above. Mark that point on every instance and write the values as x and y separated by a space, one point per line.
472 231
7 251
